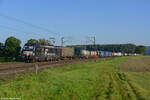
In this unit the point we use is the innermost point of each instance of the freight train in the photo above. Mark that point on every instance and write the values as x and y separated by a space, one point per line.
37 52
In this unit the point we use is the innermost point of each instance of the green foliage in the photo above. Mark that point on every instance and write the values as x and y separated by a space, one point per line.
125 48
147 50
44 42
1 49
32 41
140 49
6 59
12 47
41 41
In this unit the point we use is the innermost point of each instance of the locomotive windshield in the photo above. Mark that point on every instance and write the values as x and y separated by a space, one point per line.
28 48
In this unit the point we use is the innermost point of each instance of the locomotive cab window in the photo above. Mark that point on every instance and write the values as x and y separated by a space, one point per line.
28 48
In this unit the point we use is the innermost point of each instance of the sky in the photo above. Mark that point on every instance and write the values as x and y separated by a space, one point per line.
110 21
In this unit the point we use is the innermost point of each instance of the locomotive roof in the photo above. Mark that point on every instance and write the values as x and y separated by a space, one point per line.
38 45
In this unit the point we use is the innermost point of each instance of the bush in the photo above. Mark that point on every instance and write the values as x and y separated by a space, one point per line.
8 59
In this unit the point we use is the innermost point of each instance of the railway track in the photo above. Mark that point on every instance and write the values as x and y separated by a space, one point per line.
10 70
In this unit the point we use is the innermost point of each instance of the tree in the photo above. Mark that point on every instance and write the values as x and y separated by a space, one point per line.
40 41
12 47
1 49
32 41
44 42
124 48
140 49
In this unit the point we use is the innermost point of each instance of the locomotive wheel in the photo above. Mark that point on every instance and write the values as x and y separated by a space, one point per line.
33 60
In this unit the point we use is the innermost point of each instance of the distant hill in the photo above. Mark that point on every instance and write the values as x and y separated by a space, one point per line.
148 50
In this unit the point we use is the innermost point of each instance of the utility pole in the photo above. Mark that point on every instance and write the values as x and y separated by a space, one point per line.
94 43
62 41
93 40
84 44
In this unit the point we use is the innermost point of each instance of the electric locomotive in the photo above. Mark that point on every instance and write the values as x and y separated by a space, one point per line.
37 52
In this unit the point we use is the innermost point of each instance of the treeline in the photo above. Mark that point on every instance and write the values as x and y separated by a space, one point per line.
124 48
40 41
11 49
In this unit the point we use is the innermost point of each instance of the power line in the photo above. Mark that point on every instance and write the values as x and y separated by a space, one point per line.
16 30
7 27
26 23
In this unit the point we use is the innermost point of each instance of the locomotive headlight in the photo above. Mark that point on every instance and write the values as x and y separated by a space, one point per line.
28 53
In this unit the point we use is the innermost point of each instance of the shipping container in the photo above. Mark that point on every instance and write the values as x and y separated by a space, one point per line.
110 54
101 53
67 52
106 53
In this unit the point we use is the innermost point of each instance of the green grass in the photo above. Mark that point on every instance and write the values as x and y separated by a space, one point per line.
142 79
100 80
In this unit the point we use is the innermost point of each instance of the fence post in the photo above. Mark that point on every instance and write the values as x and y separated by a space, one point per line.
36 68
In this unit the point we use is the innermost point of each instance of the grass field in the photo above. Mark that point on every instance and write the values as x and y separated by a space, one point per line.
104 79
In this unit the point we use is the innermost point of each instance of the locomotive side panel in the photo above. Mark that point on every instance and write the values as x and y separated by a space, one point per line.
39 54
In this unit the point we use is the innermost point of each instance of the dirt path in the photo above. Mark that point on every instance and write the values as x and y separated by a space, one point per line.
137 64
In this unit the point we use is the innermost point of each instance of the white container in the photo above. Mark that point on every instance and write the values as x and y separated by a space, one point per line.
119 54
125 54
85 53
115 54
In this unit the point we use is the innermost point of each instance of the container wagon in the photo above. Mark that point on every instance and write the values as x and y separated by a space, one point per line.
101 54
67 52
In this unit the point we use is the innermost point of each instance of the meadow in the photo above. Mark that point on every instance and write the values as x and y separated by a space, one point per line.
104 79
